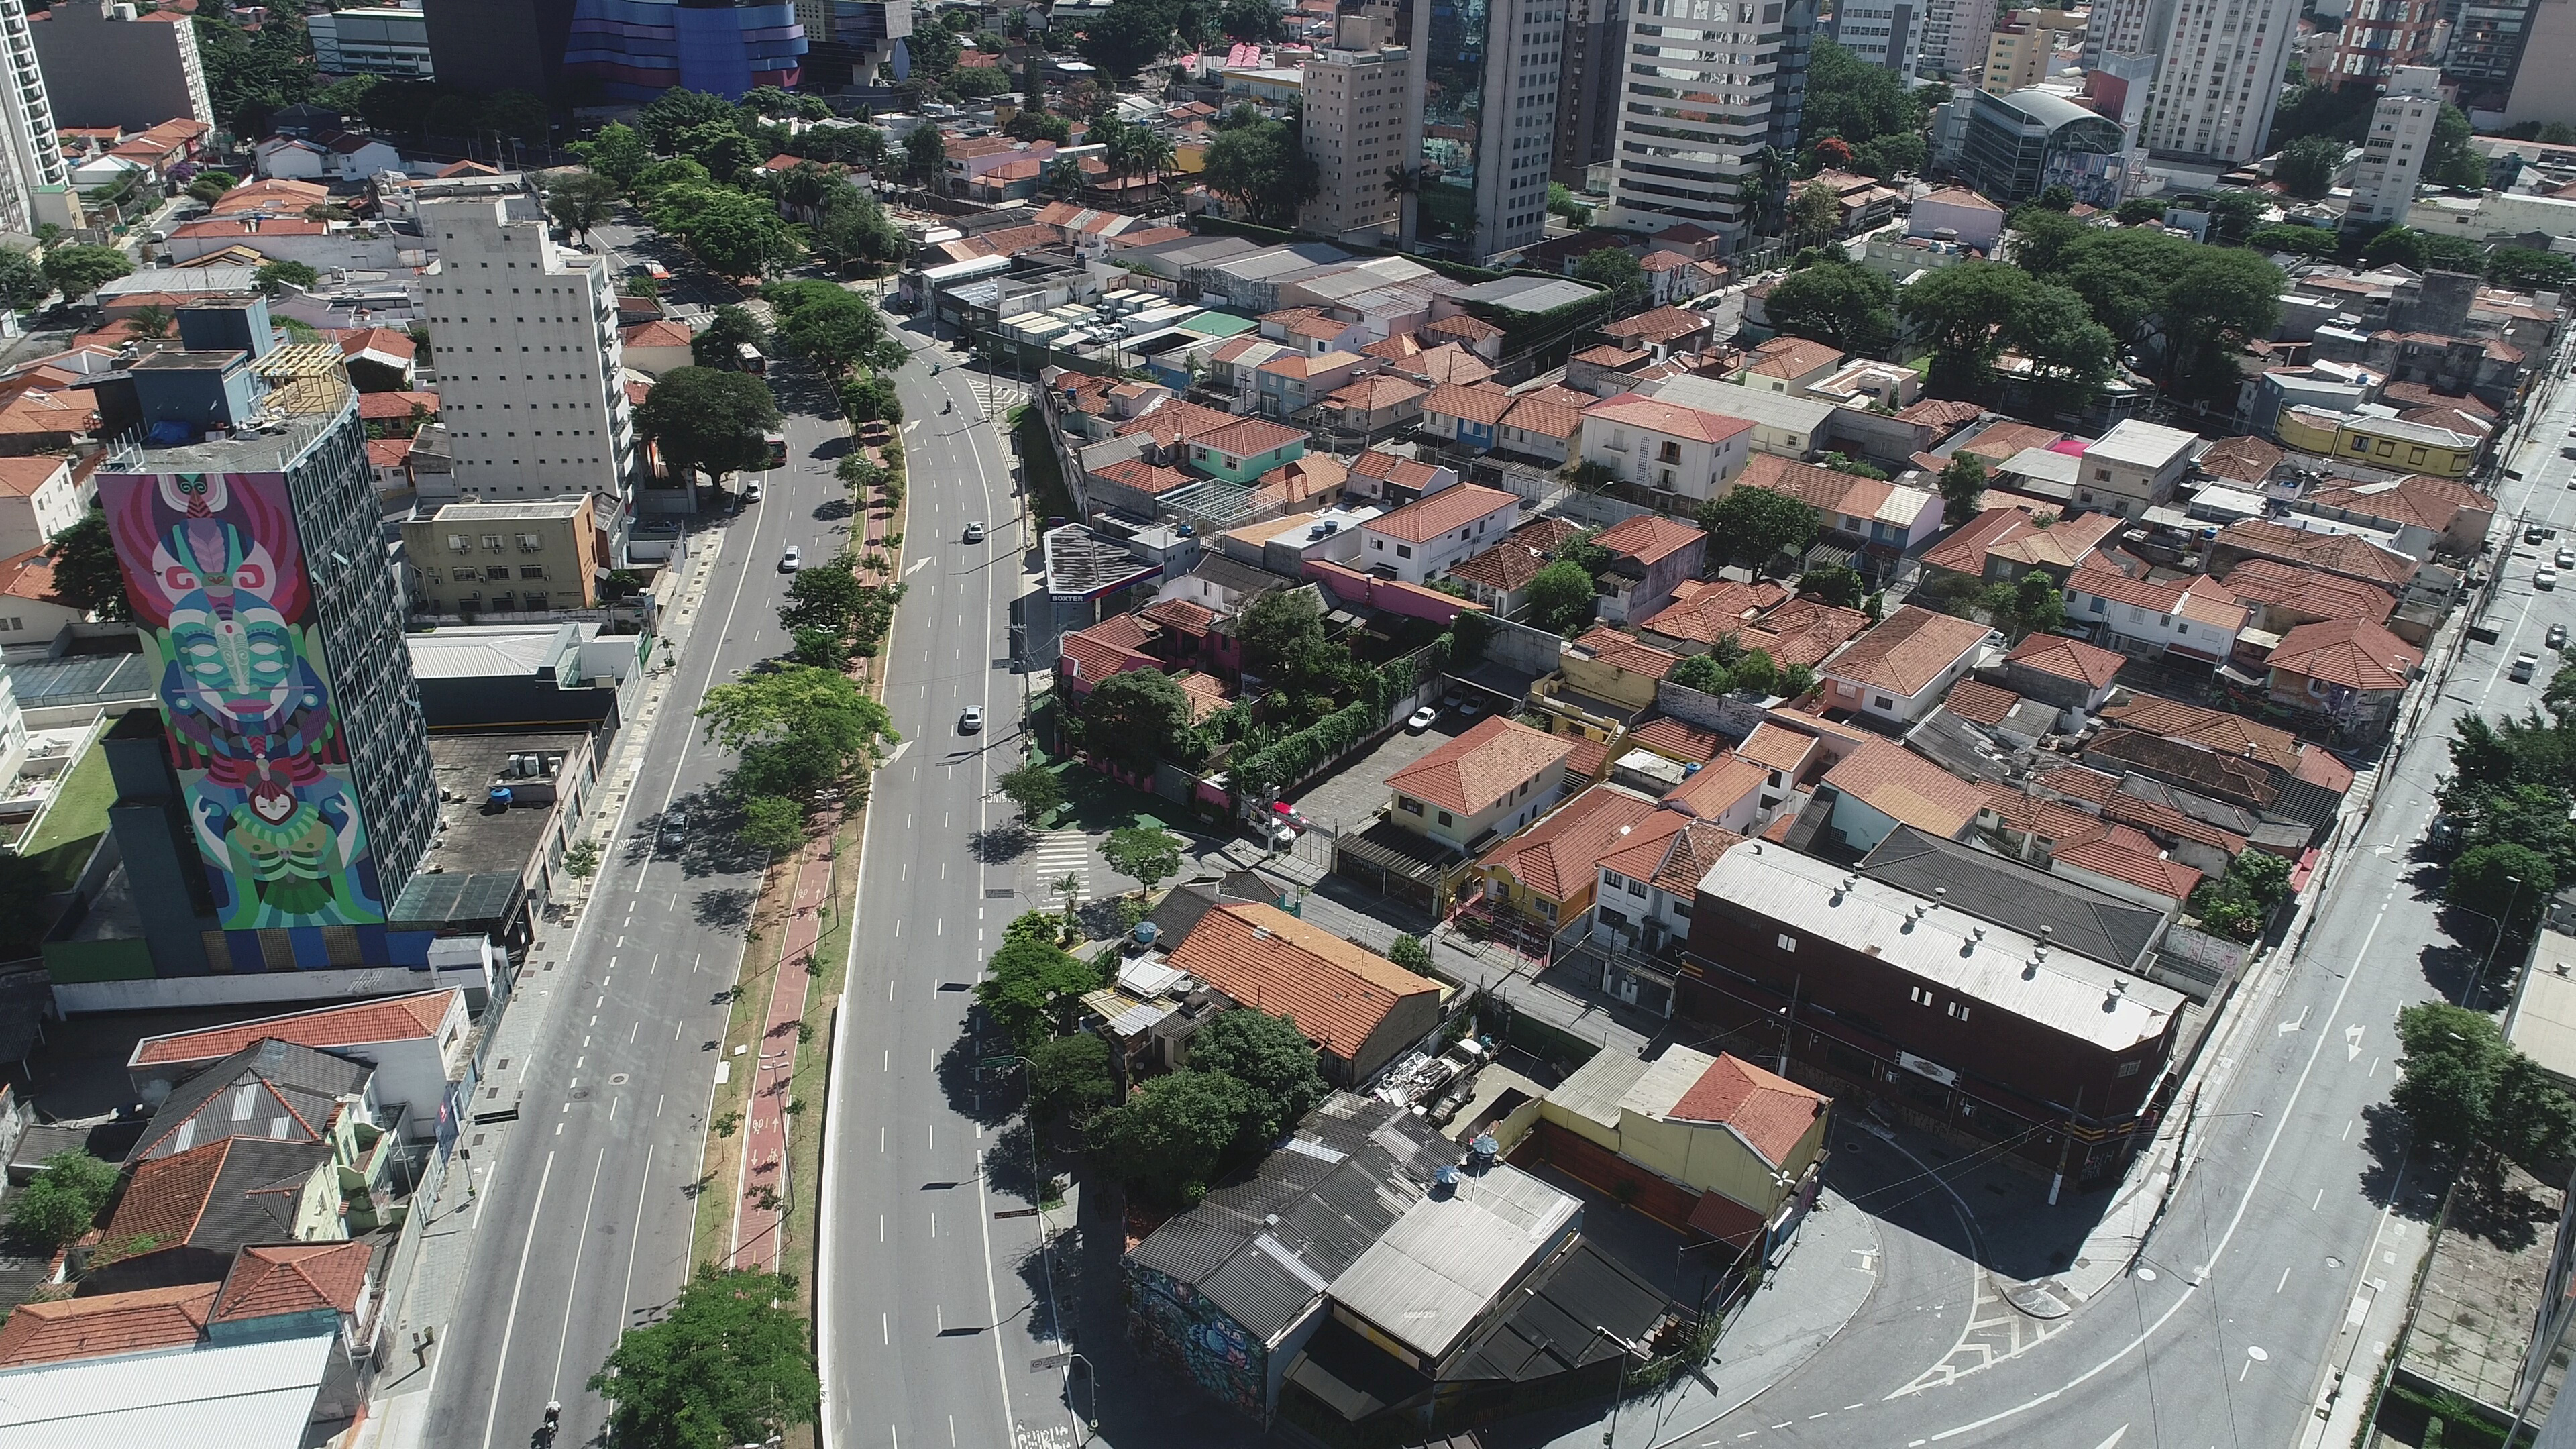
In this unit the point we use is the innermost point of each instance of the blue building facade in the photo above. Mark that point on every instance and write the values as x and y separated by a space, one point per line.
637 49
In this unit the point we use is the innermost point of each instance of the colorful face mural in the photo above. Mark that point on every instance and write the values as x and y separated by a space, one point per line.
215 570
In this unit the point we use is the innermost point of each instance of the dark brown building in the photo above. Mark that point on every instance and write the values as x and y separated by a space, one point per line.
1966 1024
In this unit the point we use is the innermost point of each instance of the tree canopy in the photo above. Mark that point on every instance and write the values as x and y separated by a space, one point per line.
86 573
1269 1055
1754 526
1144 854
60 1203
2460 1085
1136 718
1840 304
1262 168
80 269
731 1363
1030 986
2307 167
709 420
1173 1131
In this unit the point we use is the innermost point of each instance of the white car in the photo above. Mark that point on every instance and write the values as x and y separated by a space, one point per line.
1421 718
2566 558
2547 578
790 561
975 532
971 721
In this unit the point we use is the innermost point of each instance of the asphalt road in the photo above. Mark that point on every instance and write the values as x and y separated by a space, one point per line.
582 1228
934 1308
2286 1256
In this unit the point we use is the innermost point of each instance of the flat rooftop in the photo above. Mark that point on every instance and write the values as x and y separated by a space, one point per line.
1433 1274
479 840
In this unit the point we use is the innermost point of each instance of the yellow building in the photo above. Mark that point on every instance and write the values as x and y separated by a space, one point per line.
1548 872
2017 54
1602 681
2381 442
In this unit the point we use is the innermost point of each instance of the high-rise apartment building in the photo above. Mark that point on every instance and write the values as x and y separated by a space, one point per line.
1356 105
528 359
32 170
2220 79
2485 52
2126 27
2018 55
1482 136
1705 86
2392 154
2380 36
1884 33
846 40
106 64
378 40
634 50
1587 105
1954 37
245 522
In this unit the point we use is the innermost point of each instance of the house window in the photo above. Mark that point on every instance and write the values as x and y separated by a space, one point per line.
1403 551
1668 452
2127 1069
1613 879
1637 888
1610 917
2094 604
1882 702
2101 475
1681 909
1407 805
1446 818
1788 943
1959 1011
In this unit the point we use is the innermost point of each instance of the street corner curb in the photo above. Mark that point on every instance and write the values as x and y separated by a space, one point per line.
2044 1299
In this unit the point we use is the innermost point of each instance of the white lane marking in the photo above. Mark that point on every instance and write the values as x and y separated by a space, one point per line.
554 1386
510 1324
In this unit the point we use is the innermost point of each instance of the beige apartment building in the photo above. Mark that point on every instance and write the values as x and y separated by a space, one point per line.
1356 104
536 557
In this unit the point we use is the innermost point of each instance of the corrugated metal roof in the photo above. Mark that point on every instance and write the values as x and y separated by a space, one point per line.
240 1395
1432 1275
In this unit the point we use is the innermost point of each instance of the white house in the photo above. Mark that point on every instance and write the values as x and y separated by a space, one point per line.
347 157
1785 425
1420 541
1898 672
38 502
1666 446
2197 618
2133 467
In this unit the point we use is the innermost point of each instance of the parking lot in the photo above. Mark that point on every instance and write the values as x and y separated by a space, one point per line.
1346 799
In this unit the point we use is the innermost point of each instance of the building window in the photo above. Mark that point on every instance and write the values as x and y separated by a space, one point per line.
1788 943
1408 806
1882 702
1446 818
2127 1069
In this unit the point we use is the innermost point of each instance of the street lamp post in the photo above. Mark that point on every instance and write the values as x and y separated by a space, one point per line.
1625 1350
2502 923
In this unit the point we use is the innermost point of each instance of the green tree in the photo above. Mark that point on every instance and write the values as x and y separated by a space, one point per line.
1031 986
2138 210
1279 627
274 277
1129 36
2449 159
61 1202
827 596
1409 953
1033 789
1815 214
726 331
925 156
86 573
1962 482
2223 300
2530 1118
831 327
149 323
209 186
772 824
734 233
1614 271
795 729
1561 598
2459 1085
1962 313
1754 526
80 269
1706 673
1269 1055
668 175
1837 303
2523 267
2072 357
1250 20
1136 718
1856 100
871 399
2508 884
580 200
1069 1075
2399 246
708 420
731 1363
2303 241
677 111
618 152
1836 585
854 231
1262 168
2307 167
22 282
1171 1134
1143 854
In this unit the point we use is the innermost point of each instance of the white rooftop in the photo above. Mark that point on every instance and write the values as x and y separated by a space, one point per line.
487 650
1972 958
1735 400
256 1395
1432 1275
2143 445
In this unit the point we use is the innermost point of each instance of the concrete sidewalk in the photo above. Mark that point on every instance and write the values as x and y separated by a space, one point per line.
425 1303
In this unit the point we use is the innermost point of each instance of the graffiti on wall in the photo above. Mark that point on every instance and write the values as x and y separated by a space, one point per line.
215 570
1177 1324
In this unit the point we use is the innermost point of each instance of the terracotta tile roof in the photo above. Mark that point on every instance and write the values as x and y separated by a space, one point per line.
1179 614
1395 468
1455 506
21 477
167 1196
1829 491
1112 646
1678 740
1662 325
1960 197
1207 693
2216 729
111 1323
1672 852
1299 365
1908 650
1589 757
2199 598
2318 766
1662 261
2141 868
1941 414
1477 403
1998 443
1718 787
1976 700
1337 993
2078 783
395 1018
1672 419
1778 747
1507 566
1706 611
1649 538
1771 1113
294 1278
2157 818
2418 395
381 407
659 333
1544 417
1611 355
2308 591
1150 479
1449 365
1480 767
1299 479
2339 553
2428 502
388 452
37 411
1377 391
2061 545
1174 420
1306 322
1907 788
2087 664
2353 653
2242 460
380 339
1401 347
1791 357
1625 652
1964 551
1804 631
1558 857
1243 437
1463 328
30 576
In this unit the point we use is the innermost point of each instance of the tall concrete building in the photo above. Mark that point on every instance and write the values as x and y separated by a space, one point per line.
2380 36
2220 80
847 40
528 359
2019 53
35 181
1357 101
1486 75
383 40
499 45
300 799
2392 154
1706 87
1587 106
1954 36
1884 33
2485 54
2126 27
2540 89
107 65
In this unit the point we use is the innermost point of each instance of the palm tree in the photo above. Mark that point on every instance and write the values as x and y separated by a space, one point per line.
1064 177
1403 180
1153 154
148 323
1772 167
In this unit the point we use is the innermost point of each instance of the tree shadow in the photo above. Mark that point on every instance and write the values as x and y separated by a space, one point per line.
985 1096
725 908
1103 920
2385 1135
2497 1203
2429 875
835 508
1002 843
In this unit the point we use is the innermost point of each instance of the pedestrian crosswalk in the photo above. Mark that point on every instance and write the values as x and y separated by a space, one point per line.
995 395
1063 853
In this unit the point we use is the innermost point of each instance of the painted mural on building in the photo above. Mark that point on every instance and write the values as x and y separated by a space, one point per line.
215 570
